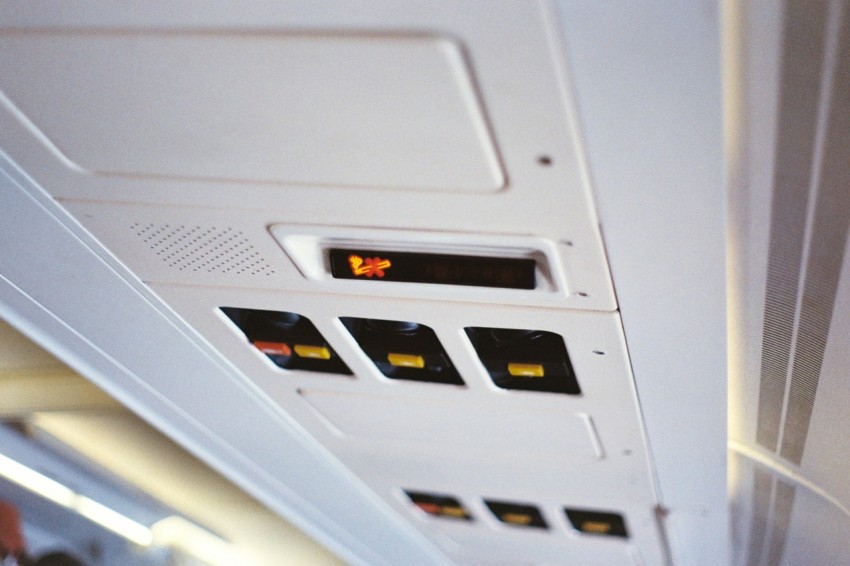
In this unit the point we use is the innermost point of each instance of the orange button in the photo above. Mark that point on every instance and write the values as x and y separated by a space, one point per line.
273 348
431 508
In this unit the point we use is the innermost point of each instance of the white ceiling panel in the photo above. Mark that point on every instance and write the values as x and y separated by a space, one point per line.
358 109
216 157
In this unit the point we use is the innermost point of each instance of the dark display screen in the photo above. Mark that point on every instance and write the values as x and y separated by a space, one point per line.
441 269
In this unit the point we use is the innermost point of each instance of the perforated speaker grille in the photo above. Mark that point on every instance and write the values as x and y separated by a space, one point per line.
203 249
809 223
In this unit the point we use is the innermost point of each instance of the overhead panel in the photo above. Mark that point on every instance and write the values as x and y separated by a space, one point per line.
473 441
383 225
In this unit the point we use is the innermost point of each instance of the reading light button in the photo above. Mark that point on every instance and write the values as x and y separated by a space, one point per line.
406 360
453 511
596 527
525 370
516 518
315 352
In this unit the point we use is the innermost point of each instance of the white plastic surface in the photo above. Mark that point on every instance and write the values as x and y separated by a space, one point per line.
505 47
575 275
269 107
647 78
653 148
473 441
384 419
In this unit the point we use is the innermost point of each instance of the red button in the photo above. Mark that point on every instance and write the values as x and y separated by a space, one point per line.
273 348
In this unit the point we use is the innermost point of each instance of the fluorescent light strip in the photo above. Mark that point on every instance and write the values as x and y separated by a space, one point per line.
113 520
173 531
62 495
36 482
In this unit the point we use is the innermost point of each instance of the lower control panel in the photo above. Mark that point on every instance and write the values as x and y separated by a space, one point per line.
489 428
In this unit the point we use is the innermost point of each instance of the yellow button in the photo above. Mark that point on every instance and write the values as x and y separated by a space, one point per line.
406 360
516 518
595 527
525 370
452 511
317 352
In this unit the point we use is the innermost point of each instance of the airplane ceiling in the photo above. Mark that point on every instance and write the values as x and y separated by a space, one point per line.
448 283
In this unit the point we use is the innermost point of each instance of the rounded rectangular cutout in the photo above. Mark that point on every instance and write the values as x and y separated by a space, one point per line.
528 360
288 339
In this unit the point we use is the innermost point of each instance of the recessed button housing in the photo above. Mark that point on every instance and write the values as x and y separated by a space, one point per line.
290 340
438 505
530 360
403 350
517 514
597 522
